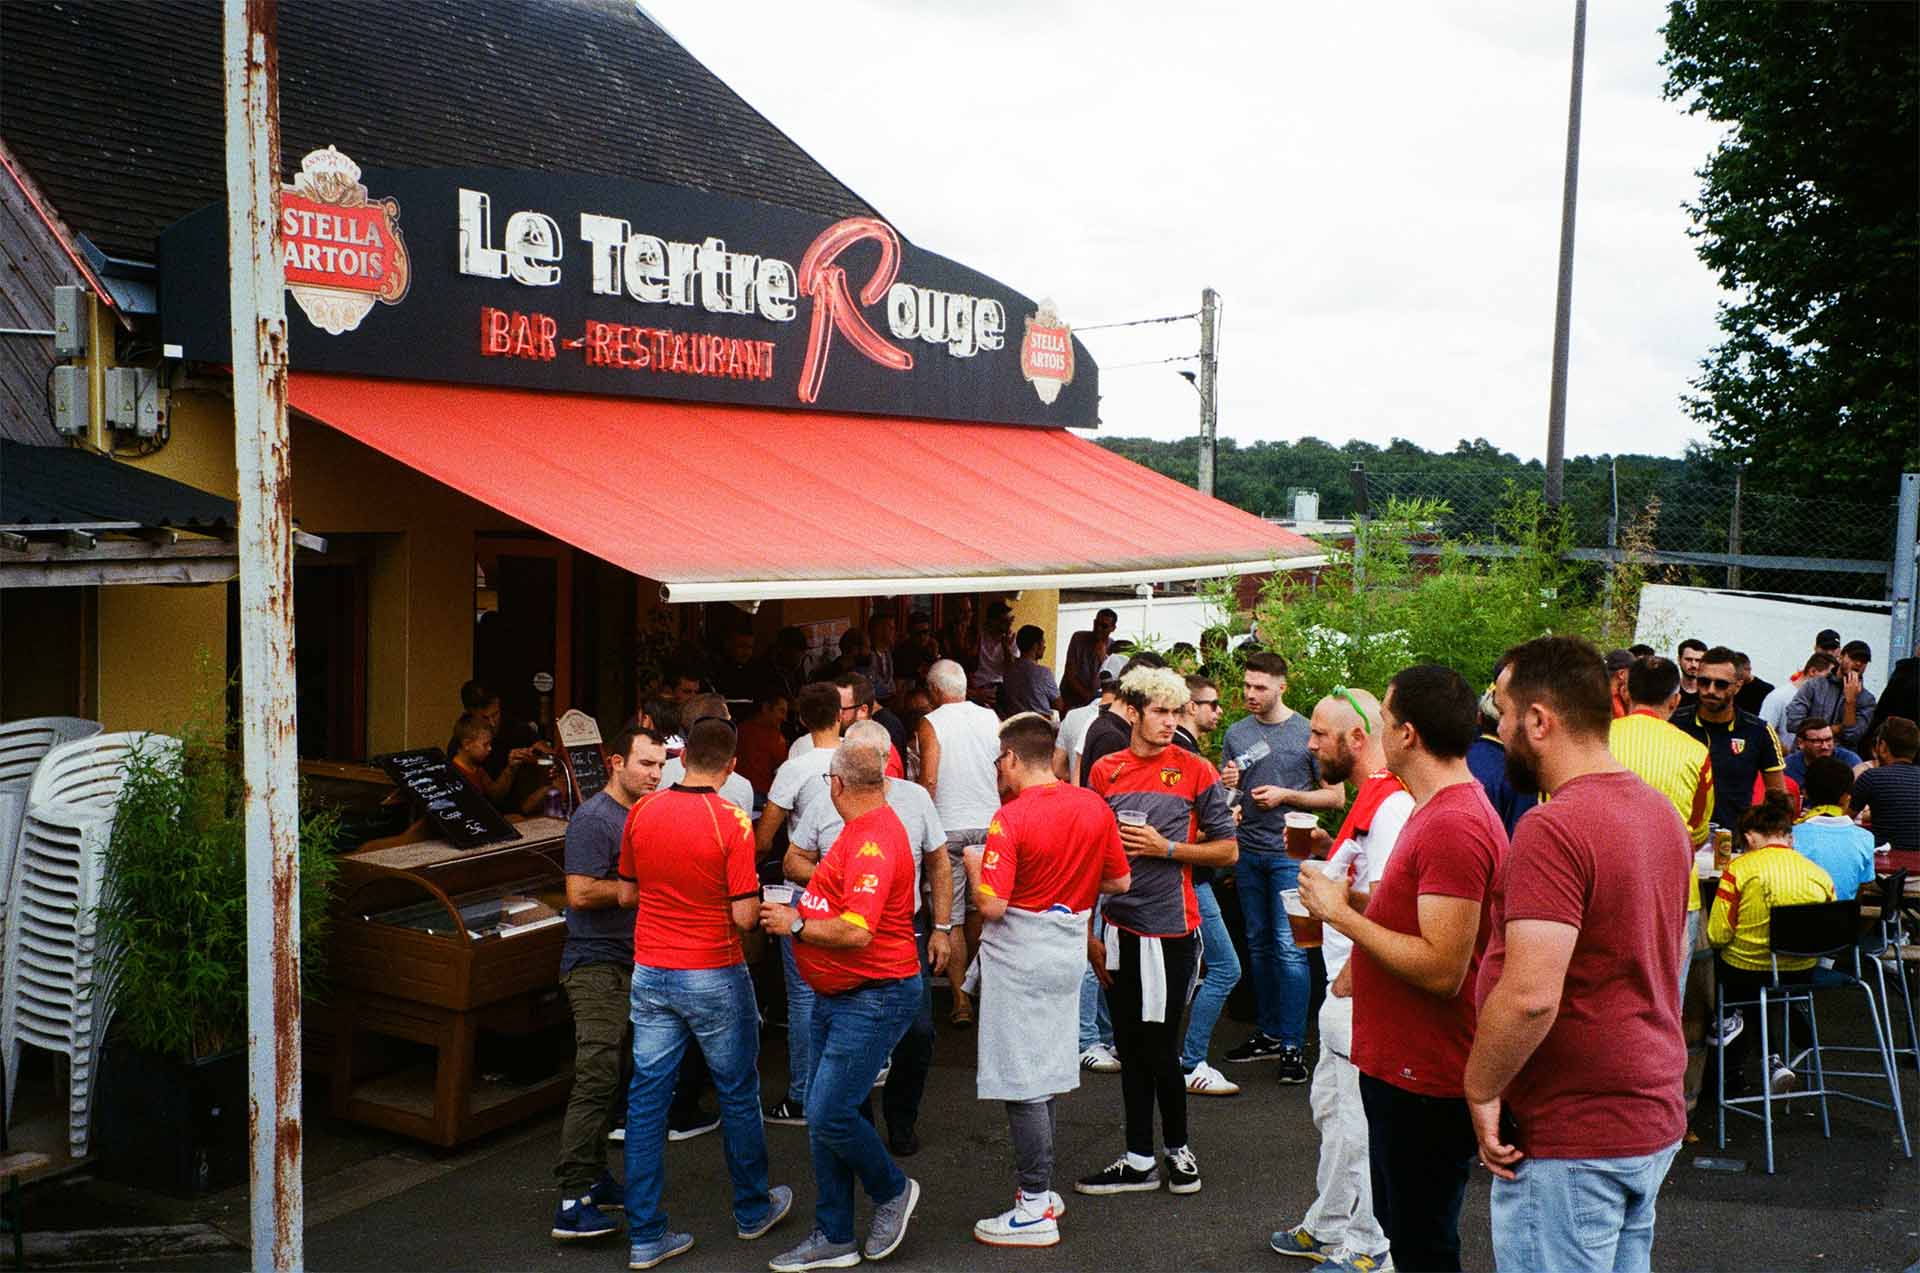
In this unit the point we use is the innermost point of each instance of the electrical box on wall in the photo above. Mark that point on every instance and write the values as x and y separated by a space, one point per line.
136 401
70 322
71 405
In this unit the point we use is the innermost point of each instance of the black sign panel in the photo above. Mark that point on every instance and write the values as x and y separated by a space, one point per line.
589 769
460 814
605 286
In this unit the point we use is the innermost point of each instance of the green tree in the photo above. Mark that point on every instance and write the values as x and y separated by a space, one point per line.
1808 212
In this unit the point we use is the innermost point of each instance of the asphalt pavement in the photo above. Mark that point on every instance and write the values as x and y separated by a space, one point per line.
1846 1203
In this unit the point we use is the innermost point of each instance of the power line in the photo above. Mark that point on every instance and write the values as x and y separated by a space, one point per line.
1150 362
1137 322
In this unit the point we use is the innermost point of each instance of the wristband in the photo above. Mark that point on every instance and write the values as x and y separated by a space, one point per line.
1169 850
943 928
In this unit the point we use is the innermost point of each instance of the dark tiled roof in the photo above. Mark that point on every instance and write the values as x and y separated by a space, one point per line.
63 486
115 106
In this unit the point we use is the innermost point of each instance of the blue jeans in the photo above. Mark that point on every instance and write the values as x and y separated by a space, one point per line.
1096 1025
1281 982
912 1056
853 1035
1223 973
1579 1213
715 1008
799 1026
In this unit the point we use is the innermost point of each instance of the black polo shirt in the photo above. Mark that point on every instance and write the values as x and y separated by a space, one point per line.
1742 749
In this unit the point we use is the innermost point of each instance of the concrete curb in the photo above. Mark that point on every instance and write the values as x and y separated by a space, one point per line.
124 1246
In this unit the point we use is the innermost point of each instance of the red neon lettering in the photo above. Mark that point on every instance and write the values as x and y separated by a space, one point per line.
548 330
599 336
833 305
493 332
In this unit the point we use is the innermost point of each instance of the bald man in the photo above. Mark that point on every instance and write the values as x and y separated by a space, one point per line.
1340 1227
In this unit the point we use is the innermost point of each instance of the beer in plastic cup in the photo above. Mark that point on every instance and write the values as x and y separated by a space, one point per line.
1722 848
1300 828
778 894
1306 928
1131 818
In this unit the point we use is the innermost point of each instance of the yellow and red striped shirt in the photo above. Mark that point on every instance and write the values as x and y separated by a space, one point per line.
1673 763
1741 923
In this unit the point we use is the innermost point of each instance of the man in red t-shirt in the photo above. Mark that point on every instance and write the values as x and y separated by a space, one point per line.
1416 948
1050 852
853 941
686 861
1579 1030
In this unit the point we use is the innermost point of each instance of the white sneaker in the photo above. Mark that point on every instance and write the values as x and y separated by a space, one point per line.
1018 1227
1100 1059
1204 1080
1781 1077
618 1135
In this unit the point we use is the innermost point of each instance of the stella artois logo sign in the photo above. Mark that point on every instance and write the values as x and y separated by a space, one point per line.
343 250
1046 354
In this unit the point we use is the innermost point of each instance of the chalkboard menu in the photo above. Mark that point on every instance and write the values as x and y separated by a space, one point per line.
461 815
579 736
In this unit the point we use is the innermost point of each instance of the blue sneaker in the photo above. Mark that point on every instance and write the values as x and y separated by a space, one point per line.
578 1218
644 1255
608 1192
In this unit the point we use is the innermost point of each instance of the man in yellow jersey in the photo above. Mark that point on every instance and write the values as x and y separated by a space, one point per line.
1769 874
1679 767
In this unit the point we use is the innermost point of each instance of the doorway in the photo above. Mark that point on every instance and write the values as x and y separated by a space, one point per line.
523 624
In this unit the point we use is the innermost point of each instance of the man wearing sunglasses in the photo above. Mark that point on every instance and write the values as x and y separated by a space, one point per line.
1742 746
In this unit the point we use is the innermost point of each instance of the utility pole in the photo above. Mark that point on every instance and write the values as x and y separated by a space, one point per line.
1563 304
1733 526
1905 580
1209 385
259 316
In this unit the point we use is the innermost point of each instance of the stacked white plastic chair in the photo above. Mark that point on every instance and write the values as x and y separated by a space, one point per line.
57 995
23 744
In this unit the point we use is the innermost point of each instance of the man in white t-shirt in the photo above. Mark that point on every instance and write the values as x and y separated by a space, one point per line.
798 784
1340 1224
959 756
1074 725
737 791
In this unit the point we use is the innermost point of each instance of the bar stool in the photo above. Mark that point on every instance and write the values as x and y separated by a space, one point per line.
1885 943
1821 930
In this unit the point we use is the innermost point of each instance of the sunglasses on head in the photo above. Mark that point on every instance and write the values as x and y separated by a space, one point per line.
1341 691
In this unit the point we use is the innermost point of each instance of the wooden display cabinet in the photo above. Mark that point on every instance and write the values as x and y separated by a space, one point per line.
434 945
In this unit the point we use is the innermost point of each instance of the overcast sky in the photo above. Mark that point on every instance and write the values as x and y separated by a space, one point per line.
1374 189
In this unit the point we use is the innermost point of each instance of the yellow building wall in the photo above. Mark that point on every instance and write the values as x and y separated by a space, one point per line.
150 646
1041 607
420 586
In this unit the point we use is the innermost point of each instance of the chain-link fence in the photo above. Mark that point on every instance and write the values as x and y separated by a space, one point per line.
1684 530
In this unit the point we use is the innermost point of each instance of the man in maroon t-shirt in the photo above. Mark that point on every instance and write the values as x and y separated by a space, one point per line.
1415 952
1579 1030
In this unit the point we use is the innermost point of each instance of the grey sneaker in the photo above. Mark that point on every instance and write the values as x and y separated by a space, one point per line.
816 1253
889 1226
644 1255
779 1202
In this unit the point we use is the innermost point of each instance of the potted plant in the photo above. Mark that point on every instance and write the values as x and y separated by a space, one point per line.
171 1112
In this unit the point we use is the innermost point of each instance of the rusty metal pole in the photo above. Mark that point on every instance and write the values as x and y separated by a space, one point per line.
259 310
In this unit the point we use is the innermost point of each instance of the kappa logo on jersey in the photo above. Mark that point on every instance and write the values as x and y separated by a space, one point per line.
1171 776
1738 744
740 816
870 850
994 828
868 883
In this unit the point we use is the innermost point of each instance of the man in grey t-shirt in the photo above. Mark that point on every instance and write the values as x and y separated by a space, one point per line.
1282 780
596 972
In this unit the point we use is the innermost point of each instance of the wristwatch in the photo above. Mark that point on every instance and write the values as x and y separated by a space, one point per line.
794 929
943 928
1169 850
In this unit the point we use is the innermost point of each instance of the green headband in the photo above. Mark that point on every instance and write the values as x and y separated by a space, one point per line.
1341 691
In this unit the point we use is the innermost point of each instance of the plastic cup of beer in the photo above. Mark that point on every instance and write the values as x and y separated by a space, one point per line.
1306 928
1722 848
1131 818
778 894
1300 828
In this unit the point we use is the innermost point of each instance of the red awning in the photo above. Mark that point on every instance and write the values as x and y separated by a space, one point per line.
741 503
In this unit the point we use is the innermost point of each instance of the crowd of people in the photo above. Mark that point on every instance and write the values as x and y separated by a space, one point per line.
1517 963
